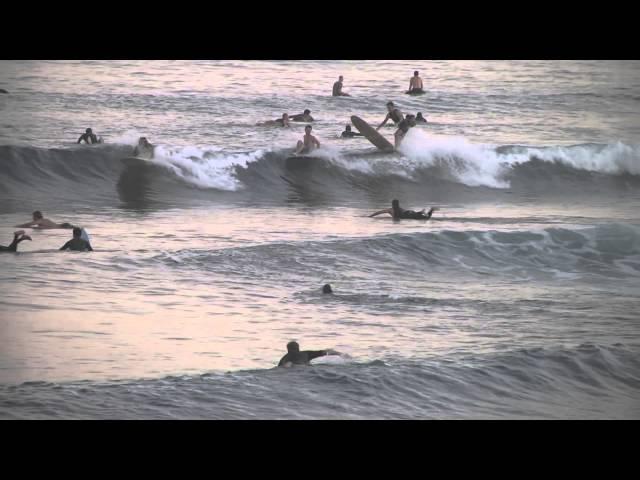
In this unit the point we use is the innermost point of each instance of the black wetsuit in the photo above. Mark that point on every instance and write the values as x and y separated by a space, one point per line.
412 215
301 358
14 245
77 245
88 138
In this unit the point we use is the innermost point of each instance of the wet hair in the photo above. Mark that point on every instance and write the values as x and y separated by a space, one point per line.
390 103
340 77
293 347
415 73
307 111
37 214
327 289
88 130
309 127
348 128
419 114
77 232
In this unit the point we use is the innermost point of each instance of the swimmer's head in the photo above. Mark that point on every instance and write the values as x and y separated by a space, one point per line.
327 289
285 116
419 115
308 128
307 112
88 130
340 78
415 74
293 347
348 128
37 215
390 105
77 232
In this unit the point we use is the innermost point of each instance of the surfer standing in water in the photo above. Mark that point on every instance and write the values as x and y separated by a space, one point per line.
415 84
308 142
394 114
399 213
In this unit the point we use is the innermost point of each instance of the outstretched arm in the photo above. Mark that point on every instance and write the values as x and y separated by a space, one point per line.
80 139
386 210
320 353
65 246
386 119
26 225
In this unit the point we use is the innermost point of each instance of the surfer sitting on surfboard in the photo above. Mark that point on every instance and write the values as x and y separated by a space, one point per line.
415 84
397 213
302 117
89 137
144 148
337 89
77 244
348 133
394 114
18 237
40 222
308 142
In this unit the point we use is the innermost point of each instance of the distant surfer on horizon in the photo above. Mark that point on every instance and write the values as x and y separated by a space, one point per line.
302 117
40 222
394 114
415 84
399 213
349 134
308 142
281 122
296 357
18 237
77 243
89 137
144 148
337 89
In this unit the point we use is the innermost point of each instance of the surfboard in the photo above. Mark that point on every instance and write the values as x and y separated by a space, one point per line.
371 134
85 236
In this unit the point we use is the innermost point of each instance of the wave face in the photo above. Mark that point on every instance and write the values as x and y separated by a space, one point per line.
438 170
587 381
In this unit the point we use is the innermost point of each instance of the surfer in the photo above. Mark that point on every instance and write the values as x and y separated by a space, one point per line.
281 122
302 117
18 237
403 128
337 89
143 148
40 222
295 357
89 137
415 84
327 289
394 114
398 213
308 142
349 134
77 244
420 118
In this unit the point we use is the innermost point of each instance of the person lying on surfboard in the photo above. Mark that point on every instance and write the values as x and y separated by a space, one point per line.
18 237
415 84
302 117
394 114
337 89
403 127
398 213
77 244
295 357
143 148
308 142
40 222
281 122
348 133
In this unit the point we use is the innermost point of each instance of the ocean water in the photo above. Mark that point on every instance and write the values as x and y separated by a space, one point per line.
520 298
